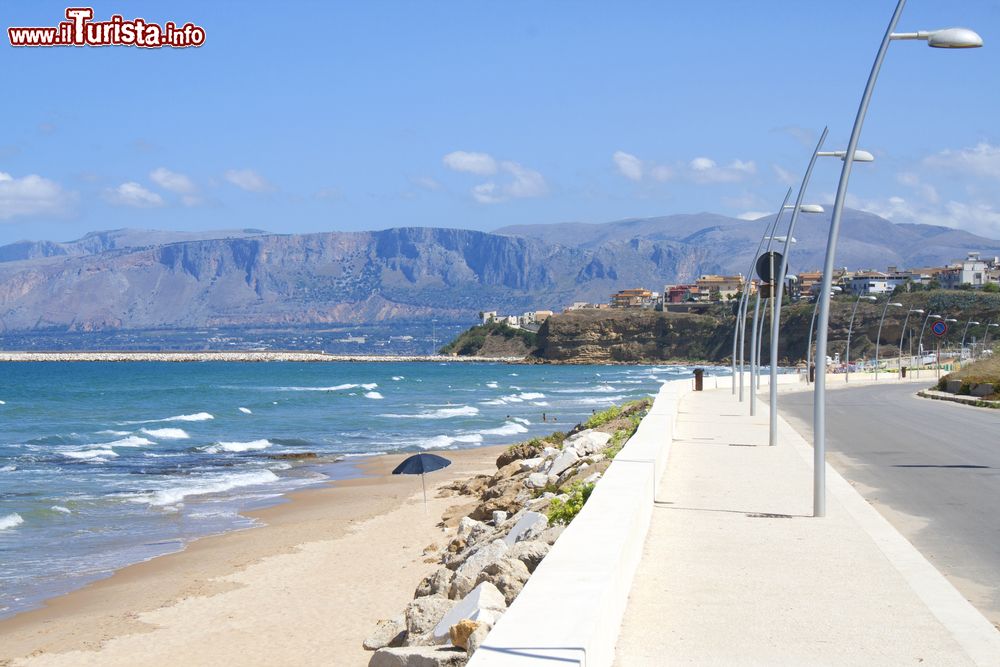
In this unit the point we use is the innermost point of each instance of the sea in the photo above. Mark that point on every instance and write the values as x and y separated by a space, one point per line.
107 464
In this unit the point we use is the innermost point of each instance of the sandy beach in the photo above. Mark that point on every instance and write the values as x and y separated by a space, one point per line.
304 589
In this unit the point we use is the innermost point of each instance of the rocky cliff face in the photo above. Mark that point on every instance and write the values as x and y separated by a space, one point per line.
136 279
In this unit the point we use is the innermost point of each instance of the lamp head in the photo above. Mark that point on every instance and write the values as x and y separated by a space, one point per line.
918 310
868 298
811 208
954 38
897 305
936 317
863 156
974 322
950 319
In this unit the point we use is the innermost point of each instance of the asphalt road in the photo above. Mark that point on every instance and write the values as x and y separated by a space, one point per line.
932 468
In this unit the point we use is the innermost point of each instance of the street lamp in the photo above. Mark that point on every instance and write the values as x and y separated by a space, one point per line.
986 336
950 38
878 336
850 329
937 361
920 338
919 311
812 324
779 281
773 295
739 333
961 354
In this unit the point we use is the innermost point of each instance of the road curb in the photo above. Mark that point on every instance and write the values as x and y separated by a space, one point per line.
964 400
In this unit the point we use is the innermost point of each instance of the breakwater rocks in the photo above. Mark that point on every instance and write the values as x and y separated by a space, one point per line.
511 520
253 356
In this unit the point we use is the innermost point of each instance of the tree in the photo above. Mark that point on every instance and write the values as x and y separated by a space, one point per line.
991 287
933 284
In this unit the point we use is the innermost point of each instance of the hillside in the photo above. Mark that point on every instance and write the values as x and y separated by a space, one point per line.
645 336
140 280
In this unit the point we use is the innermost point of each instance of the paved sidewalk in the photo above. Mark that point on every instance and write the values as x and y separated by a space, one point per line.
736 571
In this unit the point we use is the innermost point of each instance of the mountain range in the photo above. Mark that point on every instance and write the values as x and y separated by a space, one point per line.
144 279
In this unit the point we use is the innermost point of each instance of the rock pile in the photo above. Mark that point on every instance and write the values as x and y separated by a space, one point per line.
494 550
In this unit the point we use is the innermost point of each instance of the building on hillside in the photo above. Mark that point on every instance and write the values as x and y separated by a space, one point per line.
971 271
634 298
487 316
716 288
869 282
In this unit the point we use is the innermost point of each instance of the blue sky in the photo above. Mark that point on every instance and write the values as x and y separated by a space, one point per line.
318 116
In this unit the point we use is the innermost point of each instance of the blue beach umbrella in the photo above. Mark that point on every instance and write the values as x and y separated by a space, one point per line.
418 464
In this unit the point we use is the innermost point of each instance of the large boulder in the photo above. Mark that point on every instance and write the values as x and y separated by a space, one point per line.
423 614
551 534
508 575
388 632
419 656
437 582
477 637
461 586
471 530
564 461
461 631
982 389
530 552
506 498
588 442
530 523
481 557
536 480
523 450
484 604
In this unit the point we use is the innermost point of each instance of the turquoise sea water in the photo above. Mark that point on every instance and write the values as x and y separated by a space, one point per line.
106 464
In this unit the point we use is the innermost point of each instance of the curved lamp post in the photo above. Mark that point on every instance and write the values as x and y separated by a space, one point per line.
950 38
739 332
878 336
850 330
903 333
812 325
920 338
937 360
779 293
961 353
787 240
986 336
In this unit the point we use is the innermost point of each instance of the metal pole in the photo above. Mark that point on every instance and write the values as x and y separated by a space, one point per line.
760 341
753 354
809 343
878 336
744 303
920 339
961 351
779 295
901 334
847 353
819 402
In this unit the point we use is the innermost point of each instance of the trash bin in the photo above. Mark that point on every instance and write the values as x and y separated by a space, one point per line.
699 374
903 373
812 372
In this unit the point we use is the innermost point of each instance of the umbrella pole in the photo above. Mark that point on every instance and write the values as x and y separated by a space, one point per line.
424 485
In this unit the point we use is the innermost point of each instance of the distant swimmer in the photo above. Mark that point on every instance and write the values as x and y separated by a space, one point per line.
543 417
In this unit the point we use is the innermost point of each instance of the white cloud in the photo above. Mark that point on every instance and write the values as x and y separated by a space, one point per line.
752 215
926 190
31 195
526 183
523 183
248 179
482 164
628 165
176 183
982 160
705 170
661 173
427 183
133 194
975 217
171 180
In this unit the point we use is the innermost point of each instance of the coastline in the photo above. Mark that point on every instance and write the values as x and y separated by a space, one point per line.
288 592
248 356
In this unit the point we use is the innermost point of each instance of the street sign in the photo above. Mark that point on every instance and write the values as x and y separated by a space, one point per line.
939 328
768 265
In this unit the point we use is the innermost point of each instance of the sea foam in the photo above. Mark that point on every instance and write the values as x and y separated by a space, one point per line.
509 428
443 413
196 417
374 394
167 433
131 441
238 446
206 485
443 441
88 454
246 411
11 520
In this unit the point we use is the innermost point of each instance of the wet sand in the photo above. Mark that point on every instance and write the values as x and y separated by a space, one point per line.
304 589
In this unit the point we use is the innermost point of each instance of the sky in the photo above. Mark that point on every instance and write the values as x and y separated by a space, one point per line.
321 116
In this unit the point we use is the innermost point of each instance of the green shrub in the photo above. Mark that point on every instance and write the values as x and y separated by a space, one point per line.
965 389
603 417
564 511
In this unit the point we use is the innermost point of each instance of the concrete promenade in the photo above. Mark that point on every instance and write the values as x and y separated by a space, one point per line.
736 571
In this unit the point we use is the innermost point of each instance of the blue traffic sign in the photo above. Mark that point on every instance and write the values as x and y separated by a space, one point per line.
939 328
